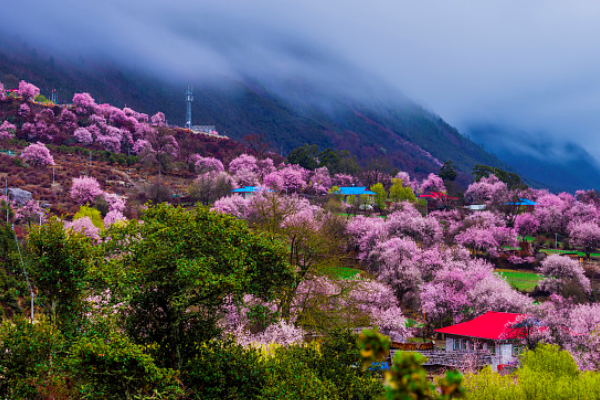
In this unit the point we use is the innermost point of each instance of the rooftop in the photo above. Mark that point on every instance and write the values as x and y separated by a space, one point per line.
491 325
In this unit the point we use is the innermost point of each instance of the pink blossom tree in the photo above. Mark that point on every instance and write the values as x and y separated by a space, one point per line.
488 190
84 103
244 170
433 183
85 227
586 236
552 212
2 92
208 164
235 205
28 91
67 121
82 135
159 147
114 201
320 180
463 289
158 119
397 261
85 189
526 224
24 111
7 130
112 217
559 270
37 154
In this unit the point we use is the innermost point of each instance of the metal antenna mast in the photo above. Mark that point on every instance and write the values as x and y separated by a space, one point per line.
189 98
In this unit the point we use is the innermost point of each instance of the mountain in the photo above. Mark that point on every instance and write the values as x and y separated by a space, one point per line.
332 106
559 166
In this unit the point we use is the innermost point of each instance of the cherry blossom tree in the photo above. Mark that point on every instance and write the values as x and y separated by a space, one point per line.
208 164
24 111
37 154
559 270
85 189
462 289
397 261
158 119
159 146
84 103
211 186
67 121
586 236
551 211
367 233
244 169
114 201
84 226
28 91
235 205
7 130
433 183
526 224
321 180
488 190
112 217
82 135
265 167
409 222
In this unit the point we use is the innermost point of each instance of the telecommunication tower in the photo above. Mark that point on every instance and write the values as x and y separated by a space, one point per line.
189 98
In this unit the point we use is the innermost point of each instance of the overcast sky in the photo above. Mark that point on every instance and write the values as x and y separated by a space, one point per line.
533 65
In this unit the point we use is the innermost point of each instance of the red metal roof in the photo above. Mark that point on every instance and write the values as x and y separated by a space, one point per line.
491 325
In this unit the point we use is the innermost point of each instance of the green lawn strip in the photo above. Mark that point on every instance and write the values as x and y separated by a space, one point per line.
521 280
578 253
339 272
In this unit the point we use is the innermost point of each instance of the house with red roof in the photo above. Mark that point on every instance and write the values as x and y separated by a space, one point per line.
490 333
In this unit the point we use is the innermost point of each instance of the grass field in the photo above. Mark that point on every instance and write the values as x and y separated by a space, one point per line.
579 253
339 272
520 280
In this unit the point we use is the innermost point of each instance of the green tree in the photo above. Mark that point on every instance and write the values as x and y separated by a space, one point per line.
398 192
512 180
30 358
448 171
306 156
380 196
94 214
58 263
176 269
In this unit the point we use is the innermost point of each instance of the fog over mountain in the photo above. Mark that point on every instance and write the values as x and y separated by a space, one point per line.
530 67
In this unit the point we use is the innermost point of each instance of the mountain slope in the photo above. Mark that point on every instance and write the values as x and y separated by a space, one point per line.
358 114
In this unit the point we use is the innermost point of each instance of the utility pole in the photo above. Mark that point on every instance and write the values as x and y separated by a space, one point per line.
189 98
24 272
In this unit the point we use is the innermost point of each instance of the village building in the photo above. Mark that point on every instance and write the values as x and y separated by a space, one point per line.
489 336
348 191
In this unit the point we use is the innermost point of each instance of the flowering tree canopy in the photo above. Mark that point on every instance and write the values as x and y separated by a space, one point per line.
84 136
489 190
7 130
28 91
433 183
85 189
37 154
586 236
208 164
526 224
560 270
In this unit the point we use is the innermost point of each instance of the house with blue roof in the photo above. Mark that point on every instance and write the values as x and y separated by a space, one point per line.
347 191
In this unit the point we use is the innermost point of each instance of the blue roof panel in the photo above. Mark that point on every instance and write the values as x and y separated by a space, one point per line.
354 191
